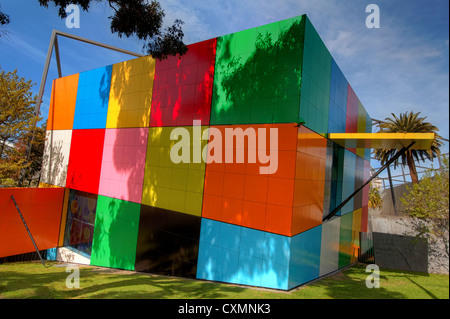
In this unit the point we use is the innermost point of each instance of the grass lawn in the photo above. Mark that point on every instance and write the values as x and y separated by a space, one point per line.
32 280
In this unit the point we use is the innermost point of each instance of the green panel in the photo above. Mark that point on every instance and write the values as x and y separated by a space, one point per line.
316 75
345 240
362 116
115 233
257 76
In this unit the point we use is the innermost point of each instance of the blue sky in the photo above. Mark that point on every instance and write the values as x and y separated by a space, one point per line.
402 66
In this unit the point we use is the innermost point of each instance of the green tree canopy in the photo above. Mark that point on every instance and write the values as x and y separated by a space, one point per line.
427 203
17 122
140 18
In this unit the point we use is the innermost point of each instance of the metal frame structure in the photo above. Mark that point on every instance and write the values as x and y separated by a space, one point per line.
54 45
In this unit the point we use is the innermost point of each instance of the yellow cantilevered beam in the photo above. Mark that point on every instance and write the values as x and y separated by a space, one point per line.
423 141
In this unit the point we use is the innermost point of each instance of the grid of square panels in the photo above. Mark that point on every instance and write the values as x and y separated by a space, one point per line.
309 187
92 99
237 193
183 87
123 163
258 74
62 103
130 95
316 78
236 254
55 159
85 160
170 185
127 164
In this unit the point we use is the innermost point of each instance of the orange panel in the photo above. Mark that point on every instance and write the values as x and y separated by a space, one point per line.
256 188
212 206
233 185
41 209
281 191
253 215
62 103
231 211
213 182
278 220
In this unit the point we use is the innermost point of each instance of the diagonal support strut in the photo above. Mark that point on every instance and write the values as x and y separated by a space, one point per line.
393 159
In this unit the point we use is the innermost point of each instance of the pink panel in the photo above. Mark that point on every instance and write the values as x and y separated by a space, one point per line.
123 163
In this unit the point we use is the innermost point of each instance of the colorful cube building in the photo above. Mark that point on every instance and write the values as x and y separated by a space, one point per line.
127 205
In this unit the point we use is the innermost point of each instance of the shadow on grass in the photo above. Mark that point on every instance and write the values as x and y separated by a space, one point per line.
96 284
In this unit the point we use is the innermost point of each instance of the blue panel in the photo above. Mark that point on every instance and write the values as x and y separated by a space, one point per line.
277 248
252 242
208 262
228 263
229 236
338 100
51 254
92 99
348 184
304 265
209 232
250 269
274 275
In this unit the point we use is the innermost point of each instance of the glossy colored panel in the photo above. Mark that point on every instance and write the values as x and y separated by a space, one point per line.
329 252
271 57
130 96
92 99
238 193
80 221
345 240
123 163
316 78
351 120
304 263
183 87
309 180
356 229
85 160
41 208
115 233
348 181
62 103
168 242
338 100
169 185
241 255
56 157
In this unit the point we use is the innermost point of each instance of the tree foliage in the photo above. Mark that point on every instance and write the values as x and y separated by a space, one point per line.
17 122
140 18
427 203
375 200
408 122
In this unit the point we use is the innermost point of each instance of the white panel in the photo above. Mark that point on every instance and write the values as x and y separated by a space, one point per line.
67 255
56 157
329 253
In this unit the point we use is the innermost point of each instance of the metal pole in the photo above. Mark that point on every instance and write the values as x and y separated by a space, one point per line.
392 189
28 230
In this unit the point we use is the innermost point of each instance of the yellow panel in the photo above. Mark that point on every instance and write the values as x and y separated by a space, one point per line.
130 80
356 229
422 141
62 228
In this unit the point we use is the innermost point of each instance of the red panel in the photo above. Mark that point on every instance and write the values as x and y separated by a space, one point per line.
41 209
182 89
85 160
351 123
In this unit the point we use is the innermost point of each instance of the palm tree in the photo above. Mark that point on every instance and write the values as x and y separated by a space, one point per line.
408 122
